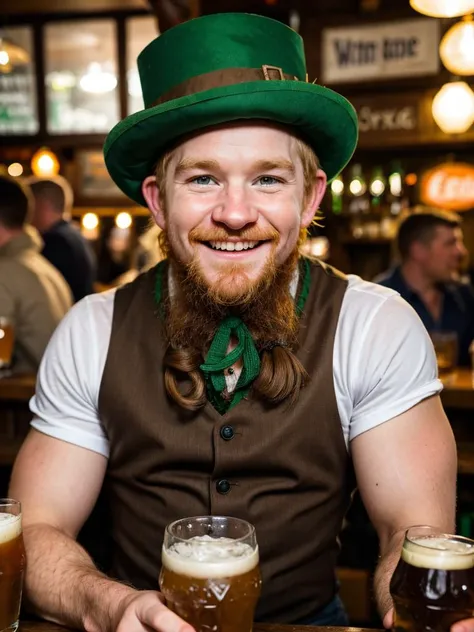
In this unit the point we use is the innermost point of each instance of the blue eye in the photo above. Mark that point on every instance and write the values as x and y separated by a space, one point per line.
268 180
202 180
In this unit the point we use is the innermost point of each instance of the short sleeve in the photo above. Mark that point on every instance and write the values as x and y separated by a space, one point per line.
395 369
65 405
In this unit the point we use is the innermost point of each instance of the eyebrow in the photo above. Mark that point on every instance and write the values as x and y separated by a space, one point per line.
188 164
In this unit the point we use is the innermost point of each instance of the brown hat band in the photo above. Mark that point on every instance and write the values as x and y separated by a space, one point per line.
223 77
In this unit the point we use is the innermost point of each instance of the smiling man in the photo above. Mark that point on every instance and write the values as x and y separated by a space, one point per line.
237 377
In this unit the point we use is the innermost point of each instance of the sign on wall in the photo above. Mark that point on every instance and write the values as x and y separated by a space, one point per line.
449 185
380 51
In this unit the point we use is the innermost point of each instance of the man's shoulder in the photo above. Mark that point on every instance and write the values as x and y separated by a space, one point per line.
369 293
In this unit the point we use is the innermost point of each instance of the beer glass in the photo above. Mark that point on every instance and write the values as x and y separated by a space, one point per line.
433 584
12 563
6 343
446 349
210 574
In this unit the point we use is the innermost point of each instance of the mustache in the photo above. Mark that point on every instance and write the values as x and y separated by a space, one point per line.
246 234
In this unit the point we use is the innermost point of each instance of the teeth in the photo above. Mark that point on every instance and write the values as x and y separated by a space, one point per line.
231 245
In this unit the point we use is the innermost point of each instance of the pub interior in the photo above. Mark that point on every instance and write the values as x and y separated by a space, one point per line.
68 73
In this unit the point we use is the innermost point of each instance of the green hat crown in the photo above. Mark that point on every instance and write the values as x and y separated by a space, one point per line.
217 42
220 68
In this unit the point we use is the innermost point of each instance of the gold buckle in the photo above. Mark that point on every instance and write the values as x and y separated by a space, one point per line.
266 74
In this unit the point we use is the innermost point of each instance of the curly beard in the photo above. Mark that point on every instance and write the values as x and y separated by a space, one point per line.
195 309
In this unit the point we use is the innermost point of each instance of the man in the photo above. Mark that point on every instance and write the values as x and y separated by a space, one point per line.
431 250
235 378
33 295
64 246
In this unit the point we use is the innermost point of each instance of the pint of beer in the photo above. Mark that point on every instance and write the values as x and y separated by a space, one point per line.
12 563
433 584
7 339
210 574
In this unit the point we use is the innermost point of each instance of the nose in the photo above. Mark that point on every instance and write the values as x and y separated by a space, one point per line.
235 210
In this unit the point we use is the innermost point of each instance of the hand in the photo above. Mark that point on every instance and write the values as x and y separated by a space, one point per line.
388 621
463 626
145 611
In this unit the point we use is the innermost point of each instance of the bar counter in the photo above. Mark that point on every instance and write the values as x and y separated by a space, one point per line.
37 626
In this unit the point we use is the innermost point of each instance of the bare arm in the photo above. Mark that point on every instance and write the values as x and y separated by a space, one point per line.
406 473
58 484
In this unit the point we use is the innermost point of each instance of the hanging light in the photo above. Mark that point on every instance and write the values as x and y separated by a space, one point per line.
443 8
15 169
90 221
44 163
123 220
457 48
90 226
453 107
97 81
11 55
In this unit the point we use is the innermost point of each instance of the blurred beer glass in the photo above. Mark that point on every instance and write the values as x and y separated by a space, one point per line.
12 563
446 348
433 584
210 572
7 339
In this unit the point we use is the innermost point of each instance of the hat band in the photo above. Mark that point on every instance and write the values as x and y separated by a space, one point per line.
223 77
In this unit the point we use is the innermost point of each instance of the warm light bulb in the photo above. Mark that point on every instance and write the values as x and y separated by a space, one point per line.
377 187
123 220
337 186
443 8
44 163
97 81
395 183
15 169
4 58
453 107
90 221
356 187
457 48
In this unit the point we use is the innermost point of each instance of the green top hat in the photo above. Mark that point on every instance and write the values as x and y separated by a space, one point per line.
220 68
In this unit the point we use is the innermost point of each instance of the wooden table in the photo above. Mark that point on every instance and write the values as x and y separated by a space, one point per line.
18 388
35 626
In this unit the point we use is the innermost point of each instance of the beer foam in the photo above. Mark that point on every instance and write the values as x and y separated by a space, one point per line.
205 557
439 553
10 527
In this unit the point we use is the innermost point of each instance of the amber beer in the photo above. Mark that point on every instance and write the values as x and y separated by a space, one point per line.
210 574
7 339
12 563
433 584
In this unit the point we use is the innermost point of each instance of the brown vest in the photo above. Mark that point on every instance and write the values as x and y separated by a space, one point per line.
288 469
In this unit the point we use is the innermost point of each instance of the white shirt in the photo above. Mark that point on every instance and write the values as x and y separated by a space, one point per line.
383 364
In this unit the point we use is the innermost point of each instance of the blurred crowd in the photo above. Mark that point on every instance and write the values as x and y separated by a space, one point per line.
46 264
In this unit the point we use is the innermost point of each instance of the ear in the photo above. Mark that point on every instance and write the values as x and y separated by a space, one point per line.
314 199
417 250
152 197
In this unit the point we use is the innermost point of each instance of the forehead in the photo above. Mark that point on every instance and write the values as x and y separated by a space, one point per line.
443 233
253 138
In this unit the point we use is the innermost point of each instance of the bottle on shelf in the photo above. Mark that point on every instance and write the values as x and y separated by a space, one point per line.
377 187
358 195
337 194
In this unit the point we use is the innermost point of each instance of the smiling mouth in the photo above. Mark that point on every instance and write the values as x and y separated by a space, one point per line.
234 246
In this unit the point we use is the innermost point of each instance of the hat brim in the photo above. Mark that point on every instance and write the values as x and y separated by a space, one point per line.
326 120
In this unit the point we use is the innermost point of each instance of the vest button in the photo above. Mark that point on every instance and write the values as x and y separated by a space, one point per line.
227 433
223 486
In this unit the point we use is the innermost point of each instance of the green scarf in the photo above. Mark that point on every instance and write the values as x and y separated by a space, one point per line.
217 358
